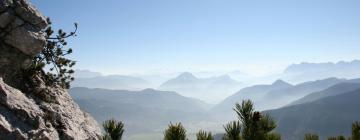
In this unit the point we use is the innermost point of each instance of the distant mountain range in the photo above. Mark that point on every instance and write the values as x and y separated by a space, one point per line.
303 72
326 107
255 93
331 91
275 95
331 112
212 89
144 111
86 74
112 82
278 98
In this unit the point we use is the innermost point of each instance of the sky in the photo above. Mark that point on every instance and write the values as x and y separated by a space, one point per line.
253 36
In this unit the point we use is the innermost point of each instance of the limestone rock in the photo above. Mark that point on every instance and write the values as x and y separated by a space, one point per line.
42 113
32 118
25 31
20 117
30 14
30 43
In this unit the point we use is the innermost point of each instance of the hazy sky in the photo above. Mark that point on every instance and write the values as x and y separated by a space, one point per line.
255 36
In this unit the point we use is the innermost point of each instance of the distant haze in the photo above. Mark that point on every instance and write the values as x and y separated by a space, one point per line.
297 108
257 37
213 86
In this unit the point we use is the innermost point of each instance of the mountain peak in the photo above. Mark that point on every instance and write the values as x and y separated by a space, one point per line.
186 75
281 83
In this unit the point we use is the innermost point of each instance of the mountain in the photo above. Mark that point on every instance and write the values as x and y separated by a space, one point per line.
144 111
86 74
112 82
212 89
278 98
302 72
254 93
184 78
155 79
275 95
329 116
331 91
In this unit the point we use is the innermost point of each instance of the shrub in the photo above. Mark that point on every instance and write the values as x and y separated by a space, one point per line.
113 130
53 58
232 131
202 135
311 137
175 132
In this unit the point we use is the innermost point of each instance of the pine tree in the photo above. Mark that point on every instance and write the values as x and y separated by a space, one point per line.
175 132
273 136
311 137
356 131
105 137
232 131
245 113
202 135
59 70
114 130
256 126
337 138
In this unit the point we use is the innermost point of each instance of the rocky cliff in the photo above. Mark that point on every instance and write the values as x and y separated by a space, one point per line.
33 111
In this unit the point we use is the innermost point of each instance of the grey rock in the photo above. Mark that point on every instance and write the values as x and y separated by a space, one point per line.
4 4
30 14
20 117
26 25
74 122
5 19
42 113
29 42
32 118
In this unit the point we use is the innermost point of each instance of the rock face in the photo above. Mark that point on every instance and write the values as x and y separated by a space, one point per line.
42 113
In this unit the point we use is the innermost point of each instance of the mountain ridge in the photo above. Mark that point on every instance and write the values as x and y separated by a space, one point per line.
327 116
211 89
143 111
331 91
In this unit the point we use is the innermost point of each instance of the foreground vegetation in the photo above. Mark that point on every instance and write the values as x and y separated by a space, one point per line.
355 134
251 125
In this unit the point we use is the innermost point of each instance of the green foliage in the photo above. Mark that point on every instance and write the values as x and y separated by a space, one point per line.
273 136
356 131
113 130
245 115
175 132
232 131
266 125
311 137
53 58
105 137
355 134
202 135
337 138
256 126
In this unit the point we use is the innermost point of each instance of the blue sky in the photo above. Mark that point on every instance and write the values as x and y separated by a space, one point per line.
255 36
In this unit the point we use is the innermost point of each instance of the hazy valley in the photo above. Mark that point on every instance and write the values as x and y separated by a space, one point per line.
200 103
